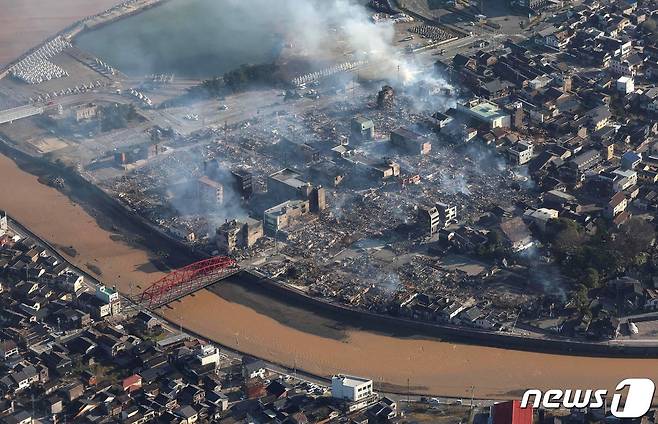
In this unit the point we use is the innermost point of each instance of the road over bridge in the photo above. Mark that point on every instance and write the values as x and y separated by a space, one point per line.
187 280
14 114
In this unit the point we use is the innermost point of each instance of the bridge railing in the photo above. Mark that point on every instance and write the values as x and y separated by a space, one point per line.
184 281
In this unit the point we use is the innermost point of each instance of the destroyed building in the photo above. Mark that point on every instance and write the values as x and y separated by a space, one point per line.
283 215
385 97
410 141
362 129
240 234
244 182
432 218
288 184
210 192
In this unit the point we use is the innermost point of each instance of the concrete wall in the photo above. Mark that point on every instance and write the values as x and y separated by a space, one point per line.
405 328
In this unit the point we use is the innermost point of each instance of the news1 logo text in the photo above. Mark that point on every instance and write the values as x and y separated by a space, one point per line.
635 404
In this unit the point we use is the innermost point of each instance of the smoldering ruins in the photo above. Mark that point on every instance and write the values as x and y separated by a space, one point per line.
354 175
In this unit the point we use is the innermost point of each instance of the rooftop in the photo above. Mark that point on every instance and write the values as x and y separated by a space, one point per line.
351 381
289 177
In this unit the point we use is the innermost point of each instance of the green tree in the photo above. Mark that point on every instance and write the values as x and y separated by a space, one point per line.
566 236
591 279
634 238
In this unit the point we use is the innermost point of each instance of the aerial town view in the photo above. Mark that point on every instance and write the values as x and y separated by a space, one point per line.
328 211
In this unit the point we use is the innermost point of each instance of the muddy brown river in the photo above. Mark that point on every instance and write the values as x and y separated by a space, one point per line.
250 322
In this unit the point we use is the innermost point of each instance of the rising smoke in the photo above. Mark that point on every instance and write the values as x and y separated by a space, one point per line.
315 27
183 186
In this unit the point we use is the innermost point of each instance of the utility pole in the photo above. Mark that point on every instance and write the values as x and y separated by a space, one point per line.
408 393
472 395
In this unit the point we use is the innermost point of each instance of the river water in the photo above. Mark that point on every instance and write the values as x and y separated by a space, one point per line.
251 322
189 38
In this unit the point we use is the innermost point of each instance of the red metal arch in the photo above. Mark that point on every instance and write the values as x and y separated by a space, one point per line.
185 280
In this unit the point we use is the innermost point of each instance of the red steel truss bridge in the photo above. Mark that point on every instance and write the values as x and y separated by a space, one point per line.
181 282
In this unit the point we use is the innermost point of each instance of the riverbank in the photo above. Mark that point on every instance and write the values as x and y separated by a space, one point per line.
96 237
392 326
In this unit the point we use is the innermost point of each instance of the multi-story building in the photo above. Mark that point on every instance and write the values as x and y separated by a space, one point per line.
410 142
283 215
626 66
110 301
318 199
540 217
585 160
362 129
432 219
428 219
627 178
210 192
244 182
350 388
288 184
486 112
520 153
625 85
236 234
447 214
616 205
4 226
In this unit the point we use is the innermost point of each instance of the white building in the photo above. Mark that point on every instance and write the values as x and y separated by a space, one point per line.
521 152
628 179
540 216
4 226
107 294
350 388
625 85
486 112
208 354
447 213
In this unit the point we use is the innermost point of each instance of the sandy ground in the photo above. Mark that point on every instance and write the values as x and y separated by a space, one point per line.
431 366
25 23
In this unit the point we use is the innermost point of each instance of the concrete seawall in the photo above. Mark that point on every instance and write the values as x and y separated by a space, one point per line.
452 333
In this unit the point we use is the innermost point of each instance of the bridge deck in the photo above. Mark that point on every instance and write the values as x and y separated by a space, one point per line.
10 115
183 290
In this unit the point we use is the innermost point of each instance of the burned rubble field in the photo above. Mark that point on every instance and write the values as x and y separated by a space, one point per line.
362 250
